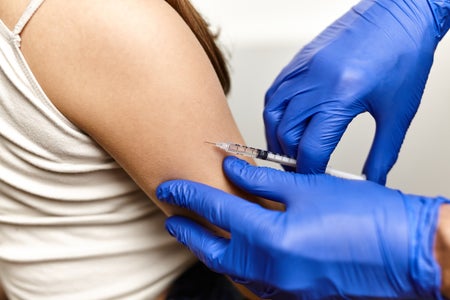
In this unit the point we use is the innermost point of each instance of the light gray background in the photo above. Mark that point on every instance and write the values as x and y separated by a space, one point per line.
261 36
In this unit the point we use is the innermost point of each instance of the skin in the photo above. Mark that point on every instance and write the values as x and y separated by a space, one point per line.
145 91
141 91
442 248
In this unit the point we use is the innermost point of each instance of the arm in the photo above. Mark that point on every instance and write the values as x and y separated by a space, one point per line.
133 77
442 248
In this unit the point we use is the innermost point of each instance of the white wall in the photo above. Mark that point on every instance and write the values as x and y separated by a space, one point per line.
261 36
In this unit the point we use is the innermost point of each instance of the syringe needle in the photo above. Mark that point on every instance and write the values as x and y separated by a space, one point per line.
206 142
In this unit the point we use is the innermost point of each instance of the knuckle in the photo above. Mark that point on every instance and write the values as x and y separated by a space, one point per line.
182 193
271 116
289 138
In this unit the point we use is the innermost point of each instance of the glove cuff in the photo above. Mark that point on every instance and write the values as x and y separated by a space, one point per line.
441 12
423 219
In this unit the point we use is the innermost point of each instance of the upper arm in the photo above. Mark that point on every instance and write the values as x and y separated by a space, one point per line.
133 76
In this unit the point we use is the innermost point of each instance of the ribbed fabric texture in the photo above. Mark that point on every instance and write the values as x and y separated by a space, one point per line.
73 225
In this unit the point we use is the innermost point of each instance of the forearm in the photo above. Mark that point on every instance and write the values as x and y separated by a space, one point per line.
442 248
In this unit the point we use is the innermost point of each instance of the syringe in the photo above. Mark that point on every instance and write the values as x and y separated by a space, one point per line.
281 159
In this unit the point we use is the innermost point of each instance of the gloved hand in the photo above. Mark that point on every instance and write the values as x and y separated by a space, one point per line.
375 58
337 238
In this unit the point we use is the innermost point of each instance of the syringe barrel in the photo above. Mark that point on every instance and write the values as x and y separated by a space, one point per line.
243 150
284 160
261 154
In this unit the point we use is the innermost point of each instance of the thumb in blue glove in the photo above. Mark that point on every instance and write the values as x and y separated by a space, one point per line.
376 58
336 238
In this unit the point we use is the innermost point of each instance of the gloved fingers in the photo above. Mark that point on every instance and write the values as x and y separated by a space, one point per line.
260 181
200 241
219 208
276 104
291 74
296 118
319 140
289 133
384 151
272 116
262 290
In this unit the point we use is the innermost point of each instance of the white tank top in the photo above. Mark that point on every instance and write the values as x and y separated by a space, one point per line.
73 225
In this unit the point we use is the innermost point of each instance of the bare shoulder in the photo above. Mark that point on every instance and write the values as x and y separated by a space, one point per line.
11 10
83 38
133 76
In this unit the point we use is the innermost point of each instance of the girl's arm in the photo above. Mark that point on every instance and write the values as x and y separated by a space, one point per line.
132 75
442 248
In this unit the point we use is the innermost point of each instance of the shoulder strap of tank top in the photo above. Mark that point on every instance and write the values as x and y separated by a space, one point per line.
29 12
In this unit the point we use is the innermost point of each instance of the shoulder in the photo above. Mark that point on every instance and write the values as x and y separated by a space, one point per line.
96 29
133 76
11 10
97 46
121 24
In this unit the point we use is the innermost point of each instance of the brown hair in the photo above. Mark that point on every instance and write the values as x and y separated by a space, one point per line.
208 40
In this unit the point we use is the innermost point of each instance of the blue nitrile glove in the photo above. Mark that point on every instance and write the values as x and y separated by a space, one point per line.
337 238
375 58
